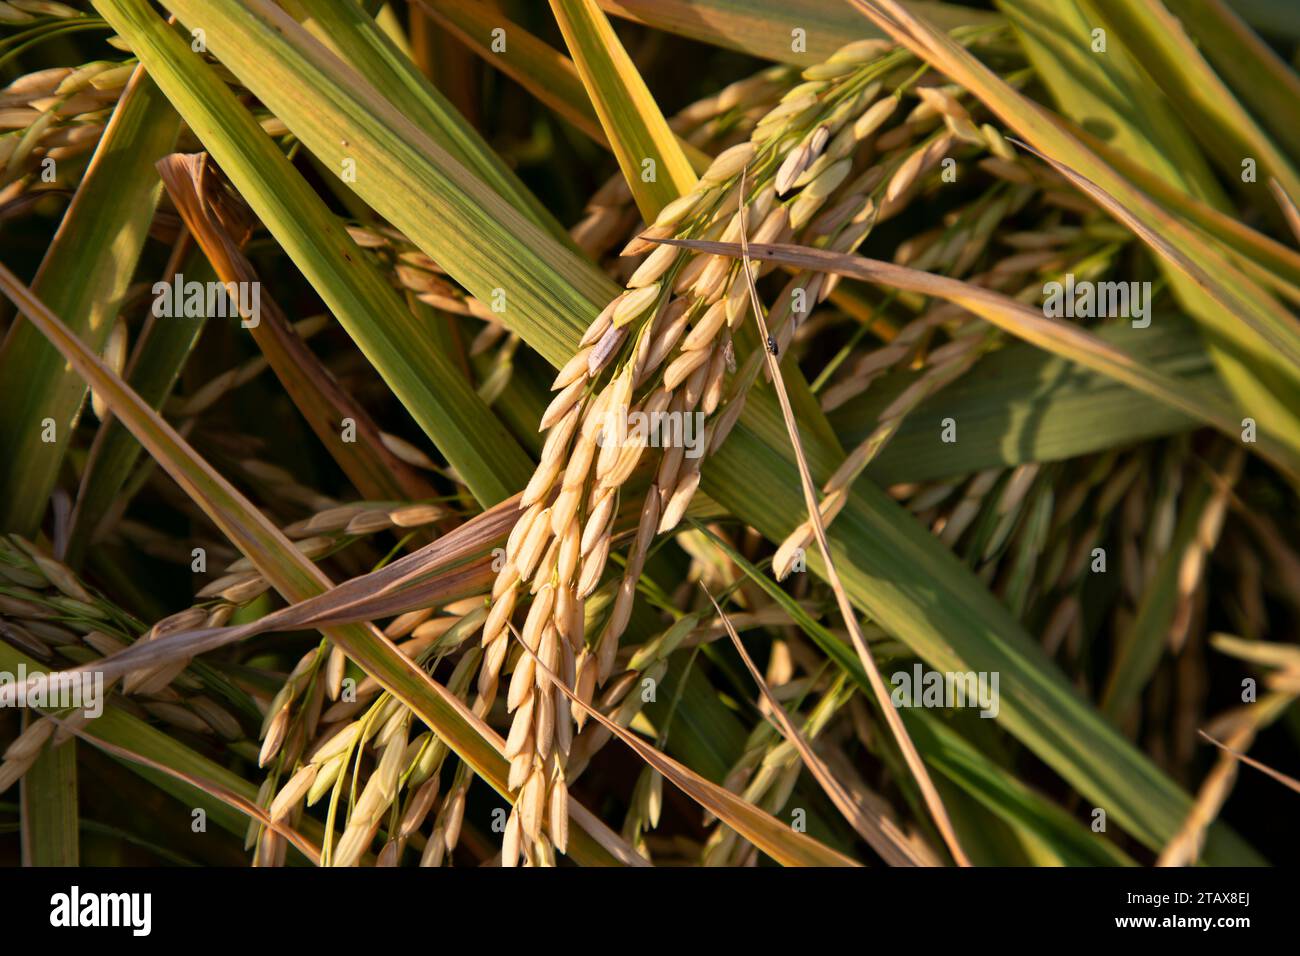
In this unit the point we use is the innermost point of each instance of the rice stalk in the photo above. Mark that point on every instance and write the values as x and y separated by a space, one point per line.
561 544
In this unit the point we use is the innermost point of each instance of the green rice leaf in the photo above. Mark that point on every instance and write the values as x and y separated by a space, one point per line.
655 168
159 357
51 836
85 275
1020 404
365 46
766 28
1167 53
430 387
1260 78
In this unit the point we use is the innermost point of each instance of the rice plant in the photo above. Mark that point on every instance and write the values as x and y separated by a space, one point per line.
485 432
